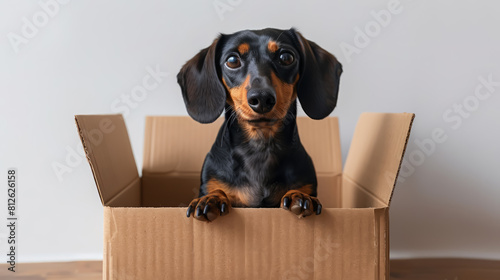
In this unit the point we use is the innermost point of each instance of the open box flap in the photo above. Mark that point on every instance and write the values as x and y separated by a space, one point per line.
107 146
175 148
374 158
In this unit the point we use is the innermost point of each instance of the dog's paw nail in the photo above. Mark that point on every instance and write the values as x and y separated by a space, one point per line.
198 211
318 211
301 203
286 202
205 210
189 211
223 208
307 211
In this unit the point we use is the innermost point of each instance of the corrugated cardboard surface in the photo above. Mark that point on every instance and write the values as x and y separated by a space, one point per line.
160 243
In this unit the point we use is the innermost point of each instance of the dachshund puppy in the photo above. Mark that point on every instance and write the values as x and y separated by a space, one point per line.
255 77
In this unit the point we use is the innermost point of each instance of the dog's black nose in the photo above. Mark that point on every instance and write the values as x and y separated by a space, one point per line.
261 101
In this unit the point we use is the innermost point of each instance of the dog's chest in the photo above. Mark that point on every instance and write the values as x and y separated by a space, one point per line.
257 167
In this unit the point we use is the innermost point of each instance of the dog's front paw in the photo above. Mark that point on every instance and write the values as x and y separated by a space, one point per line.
207 208
300 204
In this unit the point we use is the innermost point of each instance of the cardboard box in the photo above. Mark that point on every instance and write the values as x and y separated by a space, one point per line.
147 234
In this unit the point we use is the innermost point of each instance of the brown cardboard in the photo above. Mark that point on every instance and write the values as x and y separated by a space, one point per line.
351 242
107 146
374 159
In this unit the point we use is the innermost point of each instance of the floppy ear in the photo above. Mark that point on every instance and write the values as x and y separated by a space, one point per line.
318 84
202 89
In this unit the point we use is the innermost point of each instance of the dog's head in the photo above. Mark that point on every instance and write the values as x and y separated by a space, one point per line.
260 73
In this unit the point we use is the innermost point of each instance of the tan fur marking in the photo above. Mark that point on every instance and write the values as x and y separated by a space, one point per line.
285 95
237 197
238 97
243 48
306 189
272 46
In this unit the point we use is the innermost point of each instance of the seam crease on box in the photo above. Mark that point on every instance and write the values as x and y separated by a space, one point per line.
381 229
365 190
122 191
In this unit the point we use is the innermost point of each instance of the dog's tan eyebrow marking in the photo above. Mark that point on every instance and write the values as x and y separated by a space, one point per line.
272 46
243 48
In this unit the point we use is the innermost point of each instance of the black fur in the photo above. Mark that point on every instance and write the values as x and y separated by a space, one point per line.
320 76
203 93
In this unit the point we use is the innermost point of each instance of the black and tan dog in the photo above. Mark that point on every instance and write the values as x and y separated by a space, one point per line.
257 160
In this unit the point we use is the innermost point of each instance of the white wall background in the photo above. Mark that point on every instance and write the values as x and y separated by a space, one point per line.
86 57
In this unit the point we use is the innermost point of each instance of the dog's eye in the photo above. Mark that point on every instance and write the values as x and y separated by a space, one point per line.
233 62
286 58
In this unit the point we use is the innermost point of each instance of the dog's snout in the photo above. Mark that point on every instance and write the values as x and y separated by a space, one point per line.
261 101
